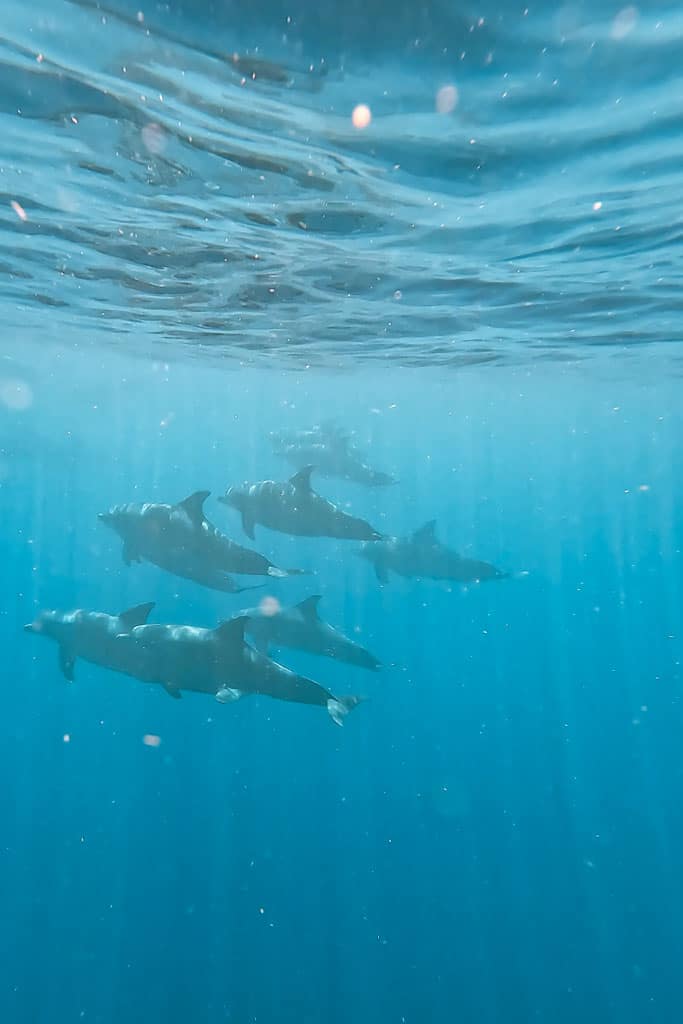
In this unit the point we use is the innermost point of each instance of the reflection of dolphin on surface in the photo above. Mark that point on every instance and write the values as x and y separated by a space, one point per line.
423 556
331 452
212 661
219 660
294 507
180 539
301 628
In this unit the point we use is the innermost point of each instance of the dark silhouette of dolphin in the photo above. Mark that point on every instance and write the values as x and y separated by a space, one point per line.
294 507
423 556
301 628
180 539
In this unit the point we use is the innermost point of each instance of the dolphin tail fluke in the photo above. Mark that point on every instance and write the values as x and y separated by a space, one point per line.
339 707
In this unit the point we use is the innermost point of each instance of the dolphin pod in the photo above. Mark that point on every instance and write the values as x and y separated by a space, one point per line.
212 661
179 539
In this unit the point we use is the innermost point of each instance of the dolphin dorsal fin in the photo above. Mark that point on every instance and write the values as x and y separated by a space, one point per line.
426 534
302 479
309 607
136 616
194 505
232 630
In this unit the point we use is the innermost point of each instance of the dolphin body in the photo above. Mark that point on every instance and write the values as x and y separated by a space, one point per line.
294 507
92 636
179 658
301 628
331 452
180 539
422 556
220 662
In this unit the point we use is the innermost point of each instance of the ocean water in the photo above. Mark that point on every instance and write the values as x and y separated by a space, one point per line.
453 230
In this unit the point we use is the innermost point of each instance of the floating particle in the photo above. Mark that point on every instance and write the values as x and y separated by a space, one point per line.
644 487
446 99
597 206
15 394
140 16
398 294
154 138
269 606
150 740
66 738
624 22
361 116
19 210
40 58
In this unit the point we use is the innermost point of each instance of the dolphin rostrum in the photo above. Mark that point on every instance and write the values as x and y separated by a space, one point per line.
301 628
180 539
294 507
422 556
219 660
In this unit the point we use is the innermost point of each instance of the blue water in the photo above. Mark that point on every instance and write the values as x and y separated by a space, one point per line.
198 247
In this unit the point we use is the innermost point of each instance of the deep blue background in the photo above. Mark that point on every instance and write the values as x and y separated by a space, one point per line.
495 835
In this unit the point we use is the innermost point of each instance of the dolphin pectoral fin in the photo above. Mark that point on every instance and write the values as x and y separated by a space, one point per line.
228 695
67 663
129 555
381 573
248 525
172 691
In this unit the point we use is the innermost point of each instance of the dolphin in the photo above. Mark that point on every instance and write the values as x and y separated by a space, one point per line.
180 539
91 636
180 657
422 556
331 452
294 507
300 627
221 662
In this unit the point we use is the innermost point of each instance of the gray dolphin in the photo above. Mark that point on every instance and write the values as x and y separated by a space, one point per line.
180 539
331 452
221 662
422 555
301 628
91 636
211 661
294 507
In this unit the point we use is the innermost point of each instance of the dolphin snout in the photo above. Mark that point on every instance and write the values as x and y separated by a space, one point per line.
32 627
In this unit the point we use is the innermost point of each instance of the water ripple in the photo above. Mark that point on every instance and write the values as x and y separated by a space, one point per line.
180 182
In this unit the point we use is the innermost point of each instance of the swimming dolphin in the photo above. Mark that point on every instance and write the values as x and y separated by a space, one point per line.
331 452
221 662
294 507
300 627
180 657
180 539
422 555
91 636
